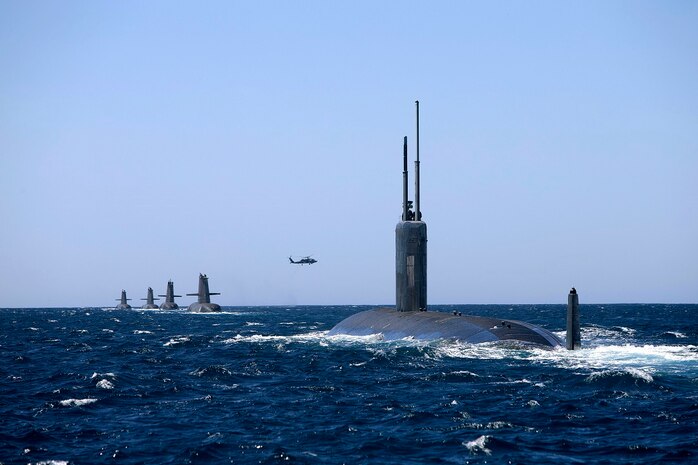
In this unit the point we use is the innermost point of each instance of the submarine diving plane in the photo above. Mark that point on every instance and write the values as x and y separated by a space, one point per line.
410 317
169 303
123 304
149 300
204 304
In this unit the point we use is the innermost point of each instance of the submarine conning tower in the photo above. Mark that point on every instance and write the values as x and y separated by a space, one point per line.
204 302
123 302
410 319
149 300
169 303
411 244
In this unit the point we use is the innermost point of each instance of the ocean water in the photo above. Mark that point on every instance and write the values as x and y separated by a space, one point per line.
267 385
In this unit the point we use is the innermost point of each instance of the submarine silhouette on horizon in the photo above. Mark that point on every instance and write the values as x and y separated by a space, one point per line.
204 304
123 302
169 303
150 300
410 317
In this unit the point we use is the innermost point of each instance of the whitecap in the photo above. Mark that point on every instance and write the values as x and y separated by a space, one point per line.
458 349
677 334
226 387
257 338
77 402
142 331
51 462
499 425
478 445
317 336
465 372
647 358
105 384
102 375
177 340
638 374
596 333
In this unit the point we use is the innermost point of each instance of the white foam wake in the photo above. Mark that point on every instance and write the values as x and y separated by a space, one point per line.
611 353
77 402
317 336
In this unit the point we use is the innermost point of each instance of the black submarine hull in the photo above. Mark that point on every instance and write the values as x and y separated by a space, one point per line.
204 307
394 325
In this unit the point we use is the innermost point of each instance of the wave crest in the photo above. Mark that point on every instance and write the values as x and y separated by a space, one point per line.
478 445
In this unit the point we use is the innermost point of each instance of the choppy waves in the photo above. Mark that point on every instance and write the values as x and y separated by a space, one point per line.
270 384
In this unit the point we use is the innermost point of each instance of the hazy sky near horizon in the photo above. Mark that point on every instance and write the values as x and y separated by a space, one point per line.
147 141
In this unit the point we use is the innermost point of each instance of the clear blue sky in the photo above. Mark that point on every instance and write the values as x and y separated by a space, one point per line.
147 141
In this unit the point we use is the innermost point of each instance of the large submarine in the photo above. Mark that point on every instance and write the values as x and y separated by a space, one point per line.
410 318
204 304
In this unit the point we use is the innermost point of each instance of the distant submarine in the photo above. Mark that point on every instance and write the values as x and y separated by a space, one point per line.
169 303
123 304
204 304
149 300
410 317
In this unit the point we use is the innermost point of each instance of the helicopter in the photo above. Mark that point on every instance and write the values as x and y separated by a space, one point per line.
303 261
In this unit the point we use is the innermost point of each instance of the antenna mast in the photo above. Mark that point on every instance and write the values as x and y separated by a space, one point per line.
418 212
405 213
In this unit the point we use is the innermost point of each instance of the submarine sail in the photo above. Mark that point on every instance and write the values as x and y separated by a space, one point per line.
410 317
150 300
169 303
123 302
204 304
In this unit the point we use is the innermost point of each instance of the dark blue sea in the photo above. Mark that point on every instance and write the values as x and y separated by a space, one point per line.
267 385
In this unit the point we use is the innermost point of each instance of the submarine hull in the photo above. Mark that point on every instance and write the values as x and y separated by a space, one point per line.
123 307
204 307
169 306
394 325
